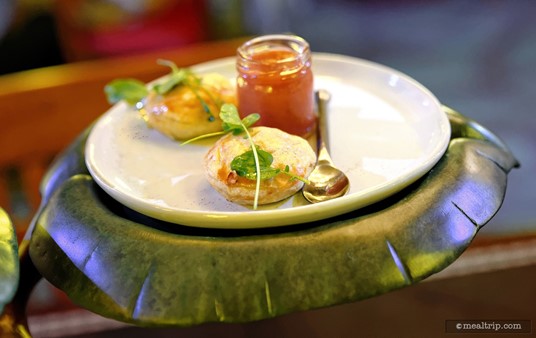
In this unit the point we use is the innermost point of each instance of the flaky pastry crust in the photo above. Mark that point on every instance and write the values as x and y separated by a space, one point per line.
285 148
180 114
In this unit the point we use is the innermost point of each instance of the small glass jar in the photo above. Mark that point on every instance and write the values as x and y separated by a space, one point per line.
275 80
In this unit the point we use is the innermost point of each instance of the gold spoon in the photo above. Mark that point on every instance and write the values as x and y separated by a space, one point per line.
326 181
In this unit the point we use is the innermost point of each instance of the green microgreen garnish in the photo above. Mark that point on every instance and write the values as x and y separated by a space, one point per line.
134 91
254 164
178 76
130 90
231 123
244 166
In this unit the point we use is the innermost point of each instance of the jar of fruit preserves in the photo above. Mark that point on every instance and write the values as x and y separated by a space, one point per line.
275 80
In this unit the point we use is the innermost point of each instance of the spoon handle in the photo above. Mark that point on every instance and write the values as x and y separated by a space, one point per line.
322 98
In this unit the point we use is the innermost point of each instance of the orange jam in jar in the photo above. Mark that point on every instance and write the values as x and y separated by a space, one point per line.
275 80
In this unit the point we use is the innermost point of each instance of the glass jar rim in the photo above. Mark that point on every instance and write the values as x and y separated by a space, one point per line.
261 43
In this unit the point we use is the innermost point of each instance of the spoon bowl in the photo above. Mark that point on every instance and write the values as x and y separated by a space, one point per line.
326 182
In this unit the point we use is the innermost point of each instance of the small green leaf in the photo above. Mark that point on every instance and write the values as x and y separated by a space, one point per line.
231 119
244 165
130 90
249 120
177 77
174 79
229 114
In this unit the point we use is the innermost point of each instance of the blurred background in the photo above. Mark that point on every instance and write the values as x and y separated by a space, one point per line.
478 57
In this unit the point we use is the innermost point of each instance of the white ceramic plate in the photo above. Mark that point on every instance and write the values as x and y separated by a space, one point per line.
387 131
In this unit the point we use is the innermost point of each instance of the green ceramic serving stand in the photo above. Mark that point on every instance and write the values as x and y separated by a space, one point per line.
12 313
9 260
126 266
